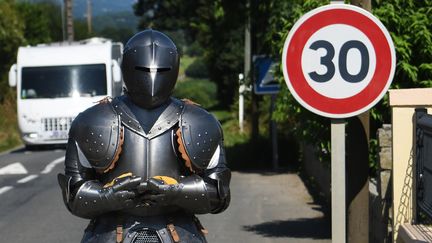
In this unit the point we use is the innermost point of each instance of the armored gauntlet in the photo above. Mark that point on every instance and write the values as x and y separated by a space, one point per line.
92 198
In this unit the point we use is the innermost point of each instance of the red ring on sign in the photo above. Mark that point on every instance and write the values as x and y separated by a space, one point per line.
364 97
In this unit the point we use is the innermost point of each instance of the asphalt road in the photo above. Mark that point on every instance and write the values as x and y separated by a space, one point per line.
265 207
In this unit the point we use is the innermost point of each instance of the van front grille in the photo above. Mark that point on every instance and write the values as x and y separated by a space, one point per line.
56 123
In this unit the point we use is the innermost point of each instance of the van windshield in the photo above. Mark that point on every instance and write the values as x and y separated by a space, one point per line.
63 81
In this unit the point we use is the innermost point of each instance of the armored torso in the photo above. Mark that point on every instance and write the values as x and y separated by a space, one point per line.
146 145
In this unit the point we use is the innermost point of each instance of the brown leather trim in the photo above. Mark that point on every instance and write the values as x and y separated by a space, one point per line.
105 100
119 150
190 102
182 151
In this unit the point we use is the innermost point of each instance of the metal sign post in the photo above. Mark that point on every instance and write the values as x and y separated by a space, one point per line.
338 179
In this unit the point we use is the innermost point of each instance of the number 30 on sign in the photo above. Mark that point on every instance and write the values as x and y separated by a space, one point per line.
338 60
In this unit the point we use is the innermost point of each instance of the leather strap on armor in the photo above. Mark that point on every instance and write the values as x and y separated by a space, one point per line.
173 232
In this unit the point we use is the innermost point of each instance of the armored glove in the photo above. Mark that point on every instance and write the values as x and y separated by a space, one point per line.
158 192
190 193
92 199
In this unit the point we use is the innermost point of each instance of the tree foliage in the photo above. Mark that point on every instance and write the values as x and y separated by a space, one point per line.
11 37
42 21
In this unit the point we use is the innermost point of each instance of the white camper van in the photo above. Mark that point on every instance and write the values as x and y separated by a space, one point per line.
57 81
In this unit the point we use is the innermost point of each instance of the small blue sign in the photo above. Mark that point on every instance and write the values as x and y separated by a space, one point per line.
265 82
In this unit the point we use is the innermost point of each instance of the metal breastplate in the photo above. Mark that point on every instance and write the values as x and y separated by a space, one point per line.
148 155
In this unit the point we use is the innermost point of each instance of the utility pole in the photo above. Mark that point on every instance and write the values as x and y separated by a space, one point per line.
89 16
69 20
357 169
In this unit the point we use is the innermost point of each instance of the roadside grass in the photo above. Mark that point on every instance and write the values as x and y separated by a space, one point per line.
185 61
9 135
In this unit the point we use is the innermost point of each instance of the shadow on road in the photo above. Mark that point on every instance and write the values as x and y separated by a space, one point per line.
314 228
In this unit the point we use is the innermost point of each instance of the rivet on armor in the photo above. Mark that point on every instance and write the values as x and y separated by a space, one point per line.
97 151
129 121
177 113
198 144
100 135
85 203
121 113
91 133
203 194
196 199
208 150
107 158
139 127
80 197
188 143
194 157
87 140
204 141
112 144
186 197
95 142
94 201
211 139
163 232
199 134
206 133
168 122
181 107
90 149
159 128
102 144
203 151
116 106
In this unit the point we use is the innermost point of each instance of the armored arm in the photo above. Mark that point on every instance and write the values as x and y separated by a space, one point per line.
86 197
206 192
93 146
201 146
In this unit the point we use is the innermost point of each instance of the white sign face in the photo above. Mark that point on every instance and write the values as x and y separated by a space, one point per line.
338 60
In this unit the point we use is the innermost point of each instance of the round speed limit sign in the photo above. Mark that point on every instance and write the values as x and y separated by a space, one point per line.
338 60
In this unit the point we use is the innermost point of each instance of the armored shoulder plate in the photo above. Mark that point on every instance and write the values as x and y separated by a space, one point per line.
98 135
201 134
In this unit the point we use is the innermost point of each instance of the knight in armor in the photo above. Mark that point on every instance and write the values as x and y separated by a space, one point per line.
140 166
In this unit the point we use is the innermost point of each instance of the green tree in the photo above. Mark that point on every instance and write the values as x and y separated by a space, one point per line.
42 21
11 37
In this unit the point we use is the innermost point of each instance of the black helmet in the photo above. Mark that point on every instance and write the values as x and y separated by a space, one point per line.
150 68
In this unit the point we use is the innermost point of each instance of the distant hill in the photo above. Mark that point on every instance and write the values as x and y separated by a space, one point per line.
102 7
108 13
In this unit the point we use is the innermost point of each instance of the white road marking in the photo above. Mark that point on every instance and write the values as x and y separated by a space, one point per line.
13 169
5 189
51 165
27 179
